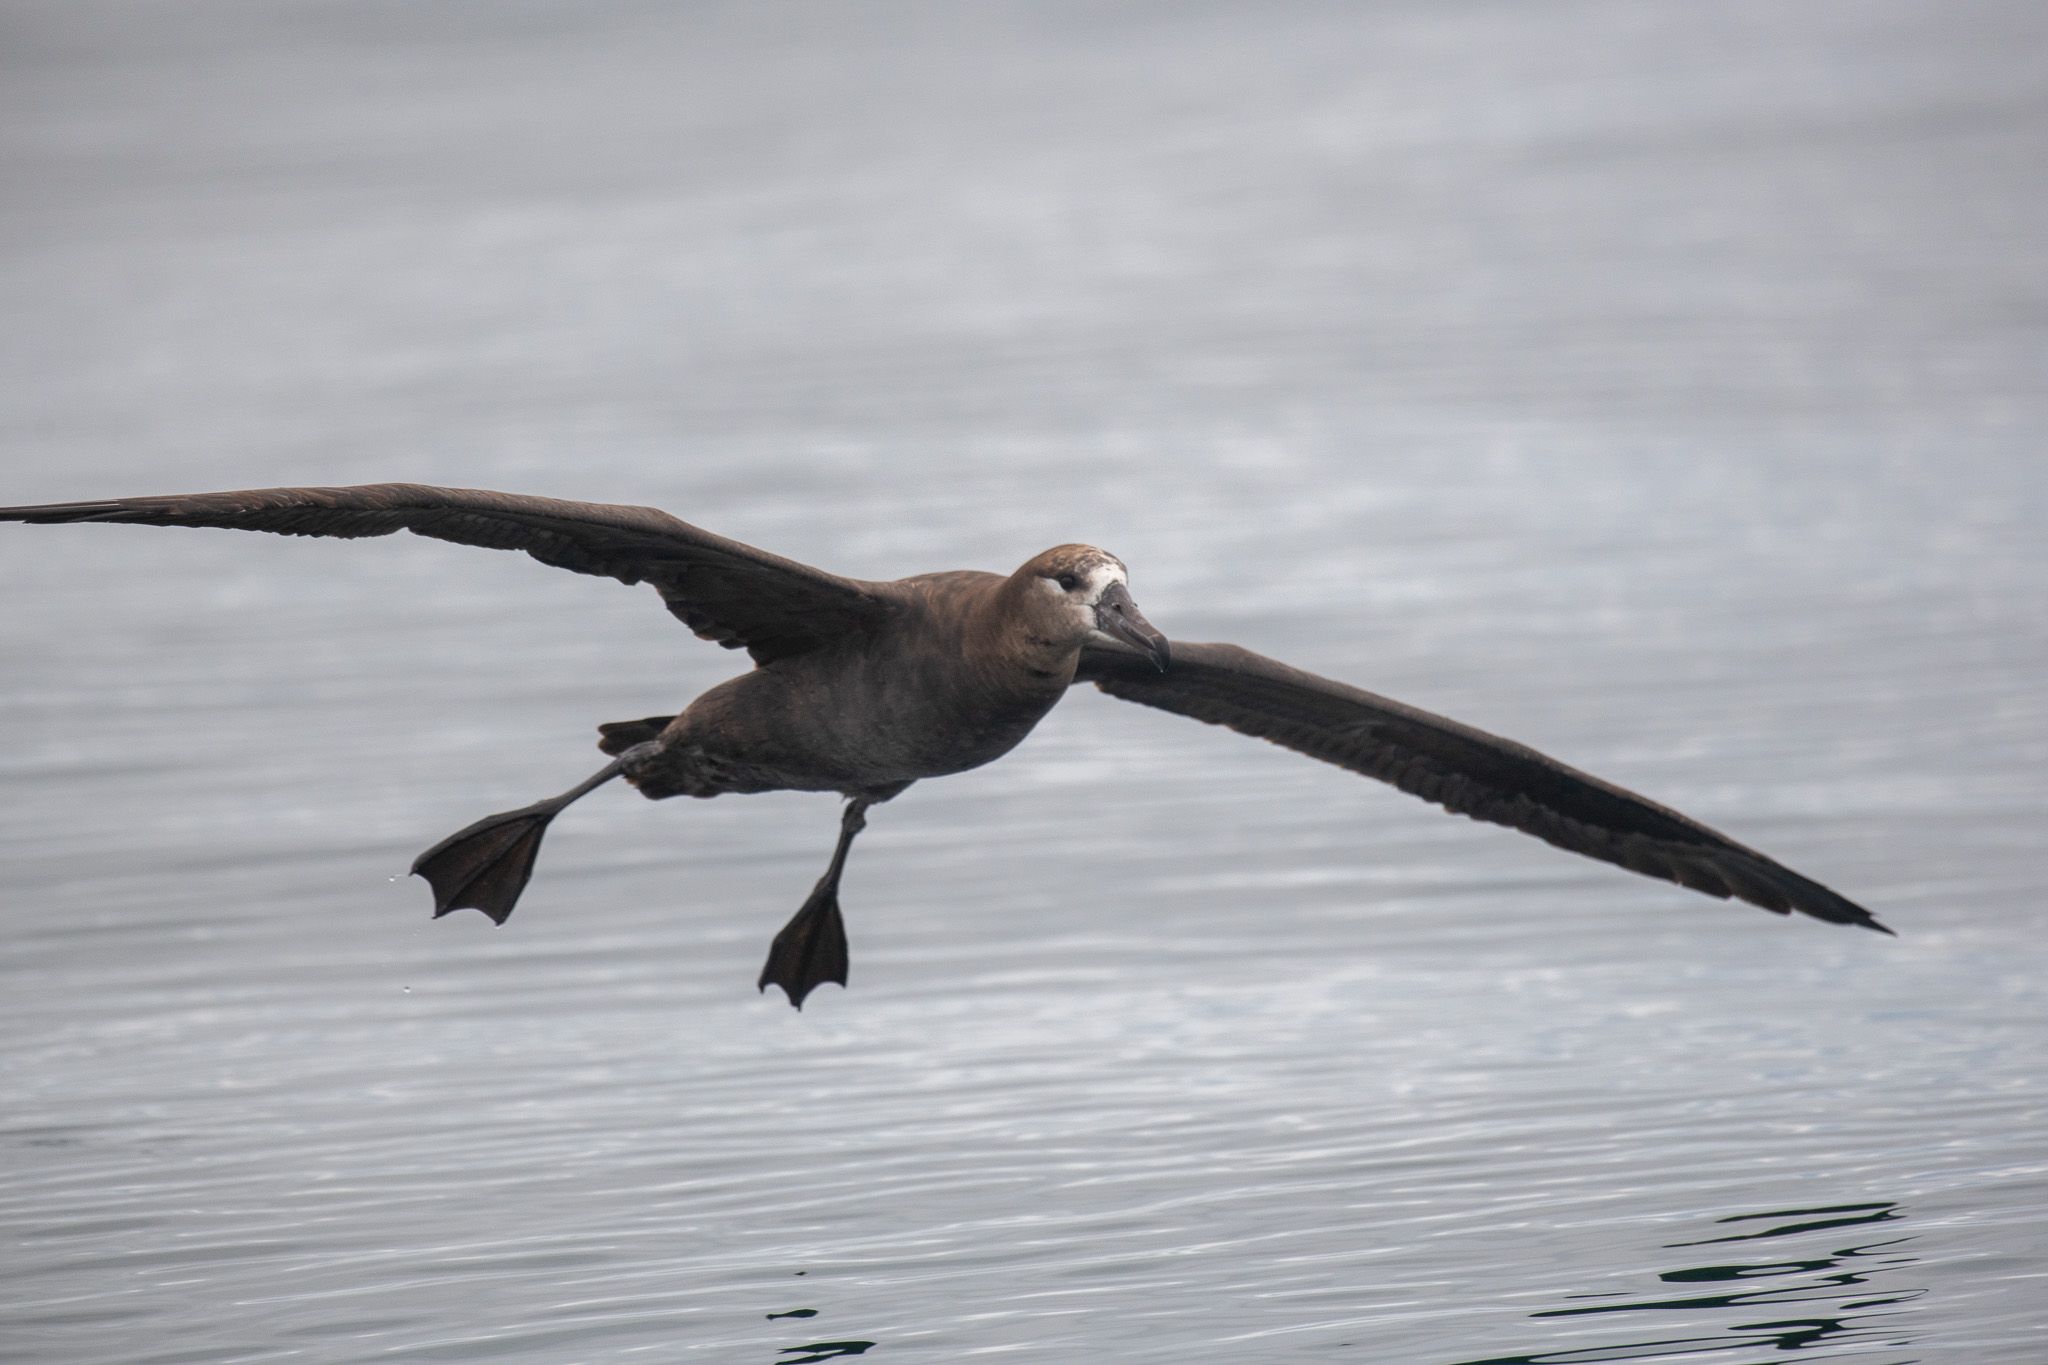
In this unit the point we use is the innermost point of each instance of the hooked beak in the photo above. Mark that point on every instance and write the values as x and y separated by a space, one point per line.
1118 617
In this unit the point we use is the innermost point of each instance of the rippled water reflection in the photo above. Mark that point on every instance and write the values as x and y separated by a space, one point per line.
1859 1282
1661 387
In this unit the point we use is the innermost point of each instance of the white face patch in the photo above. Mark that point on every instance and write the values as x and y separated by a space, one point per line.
1080 602
1095 582
1099 579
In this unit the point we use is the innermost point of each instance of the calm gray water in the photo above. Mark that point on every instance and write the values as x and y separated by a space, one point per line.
1662 385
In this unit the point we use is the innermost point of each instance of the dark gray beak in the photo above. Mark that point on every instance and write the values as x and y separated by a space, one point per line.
1118 617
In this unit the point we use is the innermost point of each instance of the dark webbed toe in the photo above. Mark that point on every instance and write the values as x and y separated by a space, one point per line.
810 950
485 866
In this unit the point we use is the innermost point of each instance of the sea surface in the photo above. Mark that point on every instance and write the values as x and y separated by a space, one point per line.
1665 386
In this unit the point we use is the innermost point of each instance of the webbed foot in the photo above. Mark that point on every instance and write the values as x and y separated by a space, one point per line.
486 865
810 950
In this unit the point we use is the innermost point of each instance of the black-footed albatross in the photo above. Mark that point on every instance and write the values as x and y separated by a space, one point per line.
862 688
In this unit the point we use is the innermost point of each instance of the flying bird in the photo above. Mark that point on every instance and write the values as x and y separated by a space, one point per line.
862 688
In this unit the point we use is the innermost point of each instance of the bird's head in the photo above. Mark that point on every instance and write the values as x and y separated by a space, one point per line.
1077 594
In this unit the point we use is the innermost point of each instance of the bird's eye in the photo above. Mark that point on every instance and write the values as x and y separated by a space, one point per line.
1068 582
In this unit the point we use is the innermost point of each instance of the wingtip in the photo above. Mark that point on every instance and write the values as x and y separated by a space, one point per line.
1809 897
57 512
1849 912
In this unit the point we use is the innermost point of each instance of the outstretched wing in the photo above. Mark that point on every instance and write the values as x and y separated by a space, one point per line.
1464 770
727 592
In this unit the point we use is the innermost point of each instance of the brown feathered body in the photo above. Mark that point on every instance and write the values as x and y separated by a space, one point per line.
953 676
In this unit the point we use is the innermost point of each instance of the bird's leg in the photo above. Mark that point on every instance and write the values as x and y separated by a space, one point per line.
811 949
486 865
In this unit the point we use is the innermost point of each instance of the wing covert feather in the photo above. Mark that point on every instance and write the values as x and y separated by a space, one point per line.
1462 769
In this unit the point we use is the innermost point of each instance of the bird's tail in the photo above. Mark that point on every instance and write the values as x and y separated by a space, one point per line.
617 736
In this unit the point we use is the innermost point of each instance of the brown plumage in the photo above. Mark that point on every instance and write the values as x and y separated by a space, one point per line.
863 688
